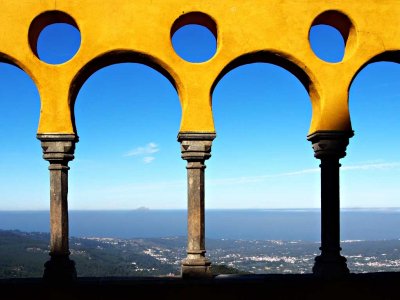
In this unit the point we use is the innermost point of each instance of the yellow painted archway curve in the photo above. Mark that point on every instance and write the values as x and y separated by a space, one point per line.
115 57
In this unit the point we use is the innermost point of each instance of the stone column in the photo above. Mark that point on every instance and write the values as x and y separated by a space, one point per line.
58 150
196 148
330 147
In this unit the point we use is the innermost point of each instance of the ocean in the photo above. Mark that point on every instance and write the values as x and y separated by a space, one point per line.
245 224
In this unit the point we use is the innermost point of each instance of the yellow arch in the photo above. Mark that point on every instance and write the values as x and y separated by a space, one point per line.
387 56
283 60
241 28
115 57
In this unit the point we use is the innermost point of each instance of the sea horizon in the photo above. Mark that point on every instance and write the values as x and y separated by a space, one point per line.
377 208
245 224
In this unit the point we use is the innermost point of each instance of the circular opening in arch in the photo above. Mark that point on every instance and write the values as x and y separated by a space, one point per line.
194 37
331 36
327 43
54 37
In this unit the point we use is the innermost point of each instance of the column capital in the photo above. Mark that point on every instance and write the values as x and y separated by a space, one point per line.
330 143
196 146
58 148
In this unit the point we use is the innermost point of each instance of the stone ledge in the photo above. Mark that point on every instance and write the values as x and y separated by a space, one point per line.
367 286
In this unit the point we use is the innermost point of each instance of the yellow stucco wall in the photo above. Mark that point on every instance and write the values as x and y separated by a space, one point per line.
274 31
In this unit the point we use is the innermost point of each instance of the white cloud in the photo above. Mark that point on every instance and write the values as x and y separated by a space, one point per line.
261 178
148 159
150 148
146 152
132 195
372 166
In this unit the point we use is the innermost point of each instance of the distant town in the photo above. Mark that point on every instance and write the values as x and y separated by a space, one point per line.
22 254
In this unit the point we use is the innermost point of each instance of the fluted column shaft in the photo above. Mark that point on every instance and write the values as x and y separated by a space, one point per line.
196 148
58 150
330 147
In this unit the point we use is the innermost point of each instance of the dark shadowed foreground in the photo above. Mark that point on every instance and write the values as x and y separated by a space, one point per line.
374 286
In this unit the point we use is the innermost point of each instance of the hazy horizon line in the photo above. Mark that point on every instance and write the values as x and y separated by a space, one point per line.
207 209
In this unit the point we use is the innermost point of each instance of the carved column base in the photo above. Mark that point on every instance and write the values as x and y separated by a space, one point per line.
330 266
59 269
196 268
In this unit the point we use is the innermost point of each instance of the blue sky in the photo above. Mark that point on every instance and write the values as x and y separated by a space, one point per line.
128 117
